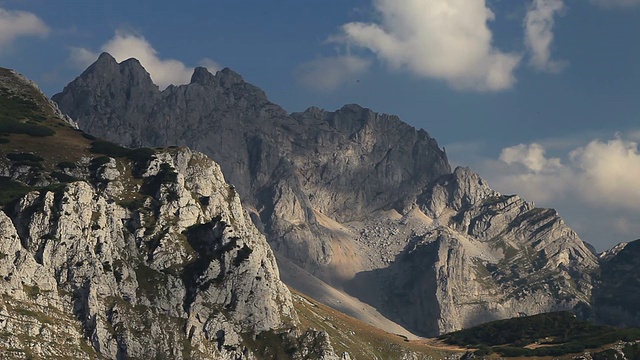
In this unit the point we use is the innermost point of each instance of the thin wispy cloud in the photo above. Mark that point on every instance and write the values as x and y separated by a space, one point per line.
329 73
125 45
440 39
538 25
16 24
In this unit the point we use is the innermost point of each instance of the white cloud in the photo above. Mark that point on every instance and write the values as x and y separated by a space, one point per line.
538 24
125 45
81 57
441 39
616 3
609 172
531 156
14 24
602 173
329 73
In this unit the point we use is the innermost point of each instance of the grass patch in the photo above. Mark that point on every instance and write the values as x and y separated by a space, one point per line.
13 113
88 137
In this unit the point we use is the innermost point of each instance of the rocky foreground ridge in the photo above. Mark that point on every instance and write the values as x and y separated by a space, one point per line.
361 200
111 253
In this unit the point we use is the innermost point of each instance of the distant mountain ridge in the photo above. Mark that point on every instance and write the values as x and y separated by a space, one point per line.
363 201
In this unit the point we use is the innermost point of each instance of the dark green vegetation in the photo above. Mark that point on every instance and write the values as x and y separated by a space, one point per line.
552 334
22 116
10 190
113 150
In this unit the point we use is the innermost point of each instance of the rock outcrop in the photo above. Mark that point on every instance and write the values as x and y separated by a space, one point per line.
168 266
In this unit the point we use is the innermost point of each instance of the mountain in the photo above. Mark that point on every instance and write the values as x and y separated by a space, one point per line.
360 200
109 252
273 159
617 297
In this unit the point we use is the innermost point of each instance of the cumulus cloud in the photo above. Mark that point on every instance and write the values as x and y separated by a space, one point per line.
531 156
125 45
15 24
329 73
616 3
602 172
441 39
609 172
538 24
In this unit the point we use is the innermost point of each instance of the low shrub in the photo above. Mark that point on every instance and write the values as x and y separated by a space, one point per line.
67 165
24 157
108 148
62 177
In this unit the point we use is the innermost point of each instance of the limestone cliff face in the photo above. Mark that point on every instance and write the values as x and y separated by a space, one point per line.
165 263
480 256
489 257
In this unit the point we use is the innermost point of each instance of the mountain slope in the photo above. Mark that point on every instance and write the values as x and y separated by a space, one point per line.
361 200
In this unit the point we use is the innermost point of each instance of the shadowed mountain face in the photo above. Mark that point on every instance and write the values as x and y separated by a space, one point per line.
617 299
359 199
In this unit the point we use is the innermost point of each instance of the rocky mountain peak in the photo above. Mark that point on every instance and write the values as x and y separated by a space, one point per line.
105 60
458 191
202 76
129 72
228 77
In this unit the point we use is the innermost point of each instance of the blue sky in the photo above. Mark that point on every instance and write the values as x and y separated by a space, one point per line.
541 97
